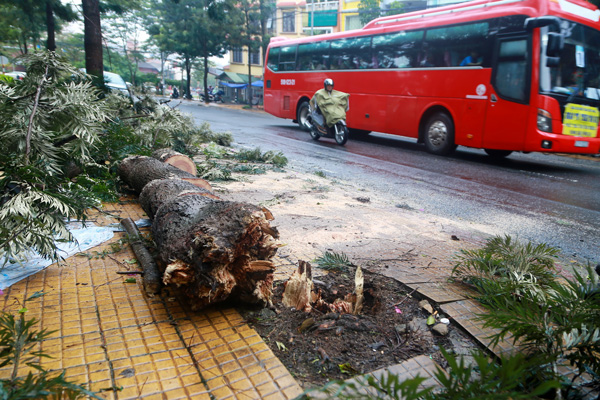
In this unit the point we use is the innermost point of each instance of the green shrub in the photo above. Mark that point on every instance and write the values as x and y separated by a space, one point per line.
332 261
555 320
269 157
19 345
49 124
507 265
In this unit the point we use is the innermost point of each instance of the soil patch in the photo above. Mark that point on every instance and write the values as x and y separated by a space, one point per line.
389 237
318 347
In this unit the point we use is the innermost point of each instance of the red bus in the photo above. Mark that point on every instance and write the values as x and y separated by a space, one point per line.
533 83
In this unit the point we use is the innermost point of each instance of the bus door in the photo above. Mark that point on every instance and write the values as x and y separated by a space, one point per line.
508 100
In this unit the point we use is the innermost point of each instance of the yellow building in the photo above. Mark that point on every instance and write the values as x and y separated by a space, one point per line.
321 17
349 17
289 18
239 59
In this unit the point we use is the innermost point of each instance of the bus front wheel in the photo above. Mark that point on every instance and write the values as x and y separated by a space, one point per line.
439 134
301 116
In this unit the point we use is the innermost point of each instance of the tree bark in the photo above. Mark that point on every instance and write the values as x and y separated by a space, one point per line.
50 42
176 159
152 276
216 249
161 191
137 171
92 41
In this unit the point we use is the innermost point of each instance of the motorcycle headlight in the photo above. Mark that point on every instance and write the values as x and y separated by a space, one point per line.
544 120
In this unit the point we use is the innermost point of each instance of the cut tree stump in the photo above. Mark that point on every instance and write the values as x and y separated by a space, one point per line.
160 191
138 171
216 250
298 289
176 159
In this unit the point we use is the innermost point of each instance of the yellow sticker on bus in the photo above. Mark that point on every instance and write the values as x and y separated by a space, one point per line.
580 120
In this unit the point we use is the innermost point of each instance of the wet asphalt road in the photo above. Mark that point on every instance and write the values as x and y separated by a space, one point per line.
536 197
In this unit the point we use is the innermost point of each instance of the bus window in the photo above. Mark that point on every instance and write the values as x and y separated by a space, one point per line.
450 45
353 53
510 77
313 56
273 60
287 58
396 50
340 58
508 24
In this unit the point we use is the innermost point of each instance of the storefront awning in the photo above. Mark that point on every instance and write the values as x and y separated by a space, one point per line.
234 85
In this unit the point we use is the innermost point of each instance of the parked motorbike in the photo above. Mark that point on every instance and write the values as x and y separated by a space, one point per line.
318 128
211 98
219 98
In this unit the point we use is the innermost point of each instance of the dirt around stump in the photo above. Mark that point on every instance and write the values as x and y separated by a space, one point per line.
318 347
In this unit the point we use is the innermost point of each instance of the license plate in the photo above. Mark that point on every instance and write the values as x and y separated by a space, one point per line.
581 143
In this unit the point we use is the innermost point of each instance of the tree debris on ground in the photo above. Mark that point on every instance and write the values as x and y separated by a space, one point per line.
213 250
321 346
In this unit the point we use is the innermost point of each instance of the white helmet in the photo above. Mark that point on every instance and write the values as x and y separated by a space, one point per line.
328 81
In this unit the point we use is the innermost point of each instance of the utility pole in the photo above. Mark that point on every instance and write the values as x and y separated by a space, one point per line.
312 17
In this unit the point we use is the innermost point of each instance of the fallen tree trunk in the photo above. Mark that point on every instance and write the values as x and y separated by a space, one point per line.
176 159
160 191
216 249
138 171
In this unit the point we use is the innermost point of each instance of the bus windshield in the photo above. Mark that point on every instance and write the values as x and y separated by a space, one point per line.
578 73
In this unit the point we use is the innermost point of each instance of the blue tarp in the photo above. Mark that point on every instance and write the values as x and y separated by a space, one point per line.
242 85
235 85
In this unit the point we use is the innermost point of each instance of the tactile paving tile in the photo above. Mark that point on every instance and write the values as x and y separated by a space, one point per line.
465 313
114 340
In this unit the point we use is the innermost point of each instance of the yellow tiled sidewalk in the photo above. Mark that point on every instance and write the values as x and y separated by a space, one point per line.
113 339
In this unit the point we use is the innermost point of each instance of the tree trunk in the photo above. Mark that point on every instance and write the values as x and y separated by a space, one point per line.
50 42
161 191
176 159
188 72
92 38
137 171
216 249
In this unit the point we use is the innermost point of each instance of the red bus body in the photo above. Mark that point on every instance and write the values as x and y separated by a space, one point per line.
400 101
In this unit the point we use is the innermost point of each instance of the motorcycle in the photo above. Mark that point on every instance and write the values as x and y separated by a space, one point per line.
318 128
218 97
211 98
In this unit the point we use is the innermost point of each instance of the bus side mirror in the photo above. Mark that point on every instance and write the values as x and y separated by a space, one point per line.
540 22
555 44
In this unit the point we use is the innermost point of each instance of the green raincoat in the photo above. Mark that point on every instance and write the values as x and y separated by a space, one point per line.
333 105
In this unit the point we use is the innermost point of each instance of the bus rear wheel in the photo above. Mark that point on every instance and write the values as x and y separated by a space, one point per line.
497 153
439 134
301 116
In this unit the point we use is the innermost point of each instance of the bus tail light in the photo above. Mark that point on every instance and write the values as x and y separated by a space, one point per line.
544 120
